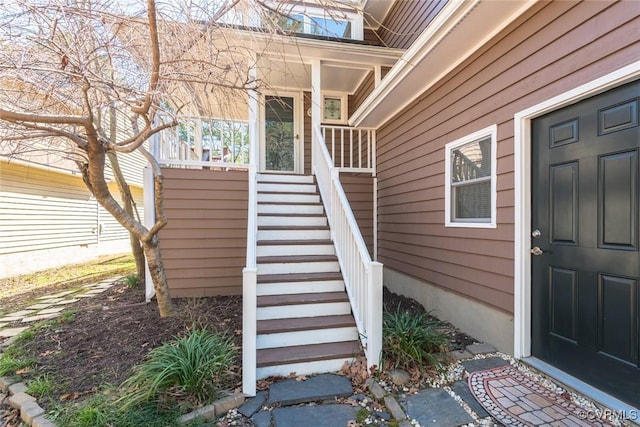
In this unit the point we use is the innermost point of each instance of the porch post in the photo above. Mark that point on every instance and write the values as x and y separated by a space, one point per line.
377 75
254 105
197 136
316 107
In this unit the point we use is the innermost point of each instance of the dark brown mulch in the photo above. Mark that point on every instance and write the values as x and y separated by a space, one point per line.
114 331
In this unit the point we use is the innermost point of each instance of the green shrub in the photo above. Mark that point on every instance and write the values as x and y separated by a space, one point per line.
192 367
411 339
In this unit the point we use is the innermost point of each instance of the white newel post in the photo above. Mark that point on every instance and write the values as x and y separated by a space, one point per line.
374 315
249 330
250 272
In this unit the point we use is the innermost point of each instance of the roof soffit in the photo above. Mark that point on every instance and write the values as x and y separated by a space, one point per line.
459 30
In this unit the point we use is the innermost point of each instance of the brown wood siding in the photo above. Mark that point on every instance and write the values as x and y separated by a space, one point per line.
359 191
371 37
361 93
554 47
205 241
406 20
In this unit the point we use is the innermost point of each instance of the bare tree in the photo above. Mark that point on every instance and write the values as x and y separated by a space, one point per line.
65 64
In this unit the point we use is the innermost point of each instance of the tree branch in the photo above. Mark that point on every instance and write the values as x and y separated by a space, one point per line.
15 117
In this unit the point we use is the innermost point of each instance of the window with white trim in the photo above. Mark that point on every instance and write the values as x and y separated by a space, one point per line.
316 20
470 180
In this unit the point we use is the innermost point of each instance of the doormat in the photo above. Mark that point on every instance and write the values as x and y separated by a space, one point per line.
514 399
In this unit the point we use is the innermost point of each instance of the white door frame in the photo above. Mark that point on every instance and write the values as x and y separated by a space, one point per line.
298 129
522 165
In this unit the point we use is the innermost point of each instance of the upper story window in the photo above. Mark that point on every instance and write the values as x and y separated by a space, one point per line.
470 180
318 21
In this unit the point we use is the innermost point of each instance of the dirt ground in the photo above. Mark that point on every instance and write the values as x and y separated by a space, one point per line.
114 331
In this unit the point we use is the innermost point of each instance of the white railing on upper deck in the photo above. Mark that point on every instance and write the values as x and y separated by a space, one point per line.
352 149
204 139
362 276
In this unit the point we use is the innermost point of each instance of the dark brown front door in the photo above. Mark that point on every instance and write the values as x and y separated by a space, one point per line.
585 290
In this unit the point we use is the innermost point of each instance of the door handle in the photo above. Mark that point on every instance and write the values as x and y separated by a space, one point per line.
536 251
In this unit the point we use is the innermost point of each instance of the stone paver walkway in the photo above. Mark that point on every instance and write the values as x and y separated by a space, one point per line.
13 324
48 307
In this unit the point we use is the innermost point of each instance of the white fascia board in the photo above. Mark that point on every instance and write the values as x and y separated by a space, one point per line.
306 49
460 29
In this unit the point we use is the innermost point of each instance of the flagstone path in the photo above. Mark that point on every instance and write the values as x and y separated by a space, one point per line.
48 307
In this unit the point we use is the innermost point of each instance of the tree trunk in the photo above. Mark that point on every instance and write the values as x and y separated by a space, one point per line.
93 176
158 276
127 202
127 198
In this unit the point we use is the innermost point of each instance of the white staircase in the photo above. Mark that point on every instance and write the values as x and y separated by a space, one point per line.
304 320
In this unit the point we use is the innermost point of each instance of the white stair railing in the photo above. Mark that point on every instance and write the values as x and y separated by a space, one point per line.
249 292
362 276
351 149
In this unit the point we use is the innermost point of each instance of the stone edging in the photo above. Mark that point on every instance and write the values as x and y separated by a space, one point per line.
31 413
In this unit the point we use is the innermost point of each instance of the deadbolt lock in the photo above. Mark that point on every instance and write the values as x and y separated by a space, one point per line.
536 233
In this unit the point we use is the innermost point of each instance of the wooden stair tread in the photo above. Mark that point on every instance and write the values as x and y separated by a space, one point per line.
287 182
307 353
295 259
293 324
294 242
291 203
307 298
298 193
299 277
293 227
296 215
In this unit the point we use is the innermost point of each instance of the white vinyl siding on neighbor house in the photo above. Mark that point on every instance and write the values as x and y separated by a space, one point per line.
44 209
470 180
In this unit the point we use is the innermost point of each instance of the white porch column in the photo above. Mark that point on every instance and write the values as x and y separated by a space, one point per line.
197 136
316 107
254 117
377 75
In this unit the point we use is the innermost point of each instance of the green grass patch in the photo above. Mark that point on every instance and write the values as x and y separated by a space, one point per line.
132 281
191 369
101 411
41 386
411 340
27 335
67 316
10 363
70 276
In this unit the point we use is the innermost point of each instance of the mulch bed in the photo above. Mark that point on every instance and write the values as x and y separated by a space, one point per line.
114 331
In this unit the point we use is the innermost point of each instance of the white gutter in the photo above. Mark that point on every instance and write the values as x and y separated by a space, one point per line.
458 31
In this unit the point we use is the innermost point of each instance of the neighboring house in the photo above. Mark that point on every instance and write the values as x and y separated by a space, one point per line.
48 217
501 150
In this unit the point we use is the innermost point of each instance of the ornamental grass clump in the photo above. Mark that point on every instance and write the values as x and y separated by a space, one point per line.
411 340
191 368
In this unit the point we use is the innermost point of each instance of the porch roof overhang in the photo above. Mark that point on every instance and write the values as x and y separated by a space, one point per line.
285 61
460 29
